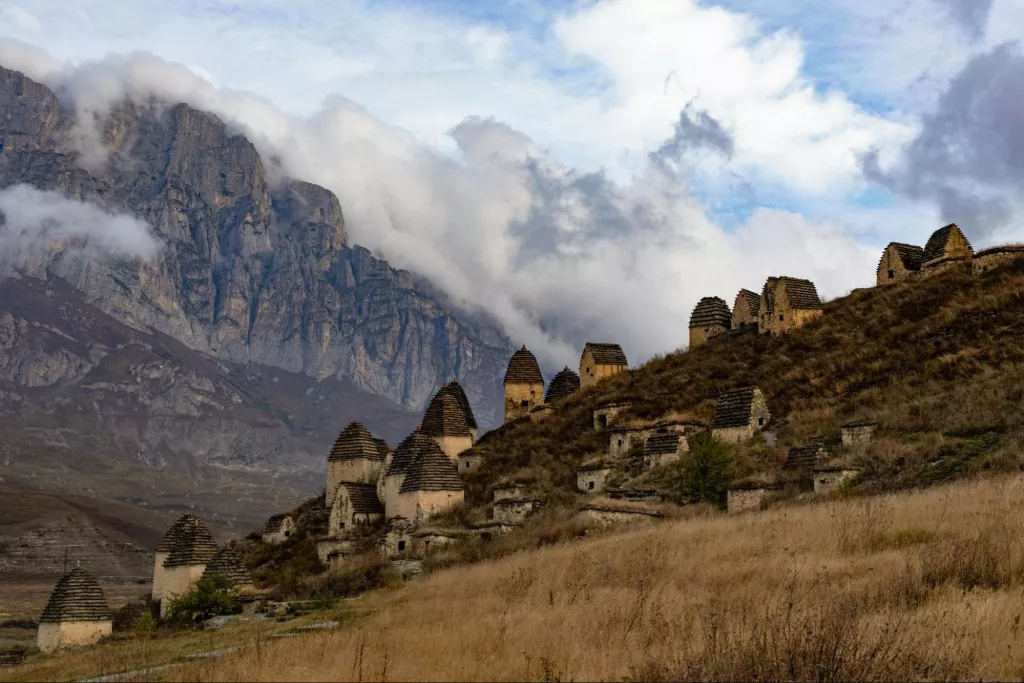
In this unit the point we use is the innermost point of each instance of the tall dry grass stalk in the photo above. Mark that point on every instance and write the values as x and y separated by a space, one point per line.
916 586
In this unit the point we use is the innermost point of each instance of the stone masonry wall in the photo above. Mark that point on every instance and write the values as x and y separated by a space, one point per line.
521 398
52 637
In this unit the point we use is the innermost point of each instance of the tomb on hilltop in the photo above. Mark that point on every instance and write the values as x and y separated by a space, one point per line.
445 422
745 310
565 384
946 245
899 261
278 528
662 449
605 415
76 613
858 433
456 390
739 414
593 477
524 385
786 304
355 457
354 505
600 361
710 318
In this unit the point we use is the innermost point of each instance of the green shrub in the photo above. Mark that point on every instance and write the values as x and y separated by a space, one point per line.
209 597
703 476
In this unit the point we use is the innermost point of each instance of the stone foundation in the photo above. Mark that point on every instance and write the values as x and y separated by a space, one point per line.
745 500
832 480
53 637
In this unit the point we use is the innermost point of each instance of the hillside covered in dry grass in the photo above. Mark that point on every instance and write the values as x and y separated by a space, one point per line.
923 585
937 361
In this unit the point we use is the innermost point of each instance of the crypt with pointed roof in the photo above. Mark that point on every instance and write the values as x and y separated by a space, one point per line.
76 613
355 457
420 480
600 360
445 422
786 304
190 550
524 385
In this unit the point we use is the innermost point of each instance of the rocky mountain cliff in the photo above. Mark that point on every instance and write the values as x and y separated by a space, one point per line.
254 271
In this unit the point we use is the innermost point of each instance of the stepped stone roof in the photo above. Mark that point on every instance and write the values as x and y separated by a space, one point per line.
382 446
169 539
411 448
228 564
444 417
76 597
936 246
711 310
804 457
432 470
364 498
597 507
275 523
523 369
662 444
565 383
456 390
193 545
733 408
802 294
606 354
753 300
909 254
354 443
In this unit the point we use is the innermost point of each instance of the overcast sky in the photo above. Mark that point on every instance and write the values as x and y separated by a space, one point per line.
588 171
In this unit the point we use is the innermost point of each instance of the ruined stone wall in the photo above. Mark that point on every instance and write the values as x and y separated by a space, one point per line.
742 316
591 373
858 435
620 442
514 511
158 575
430 543
652 461
417 506
609 413
177 581
742 501
521 398
593 481
326 546
509 492
469 462
453 445
700 335
606 518
361 470
733 434
540 413
985 262
826 482
52 637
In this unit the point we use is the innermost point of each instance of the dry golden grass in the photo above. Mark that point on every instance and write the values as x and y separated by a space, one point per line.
918 585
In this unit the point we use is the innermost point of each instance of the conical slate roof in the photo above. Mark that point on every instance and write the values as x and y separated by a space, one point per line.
662 444
444 417
228 564
382 446
565 383
456 390
523 369
192 546
168 541
355 442
711 311
76 597
431 470
411 448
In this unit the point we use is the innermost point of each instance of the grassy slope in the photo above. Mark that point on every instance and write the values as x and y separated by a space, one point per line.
904 586
939 362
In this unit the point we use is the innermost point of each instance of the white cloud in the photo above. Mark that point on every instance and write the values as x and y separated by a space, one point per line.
34 223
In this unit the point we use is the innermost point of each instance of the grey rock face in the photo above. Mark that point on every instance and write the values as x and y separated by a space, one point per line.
250 271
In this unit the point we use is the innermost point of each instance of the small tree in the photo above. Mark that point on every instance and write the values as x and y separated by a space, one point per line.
704 474
209 597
